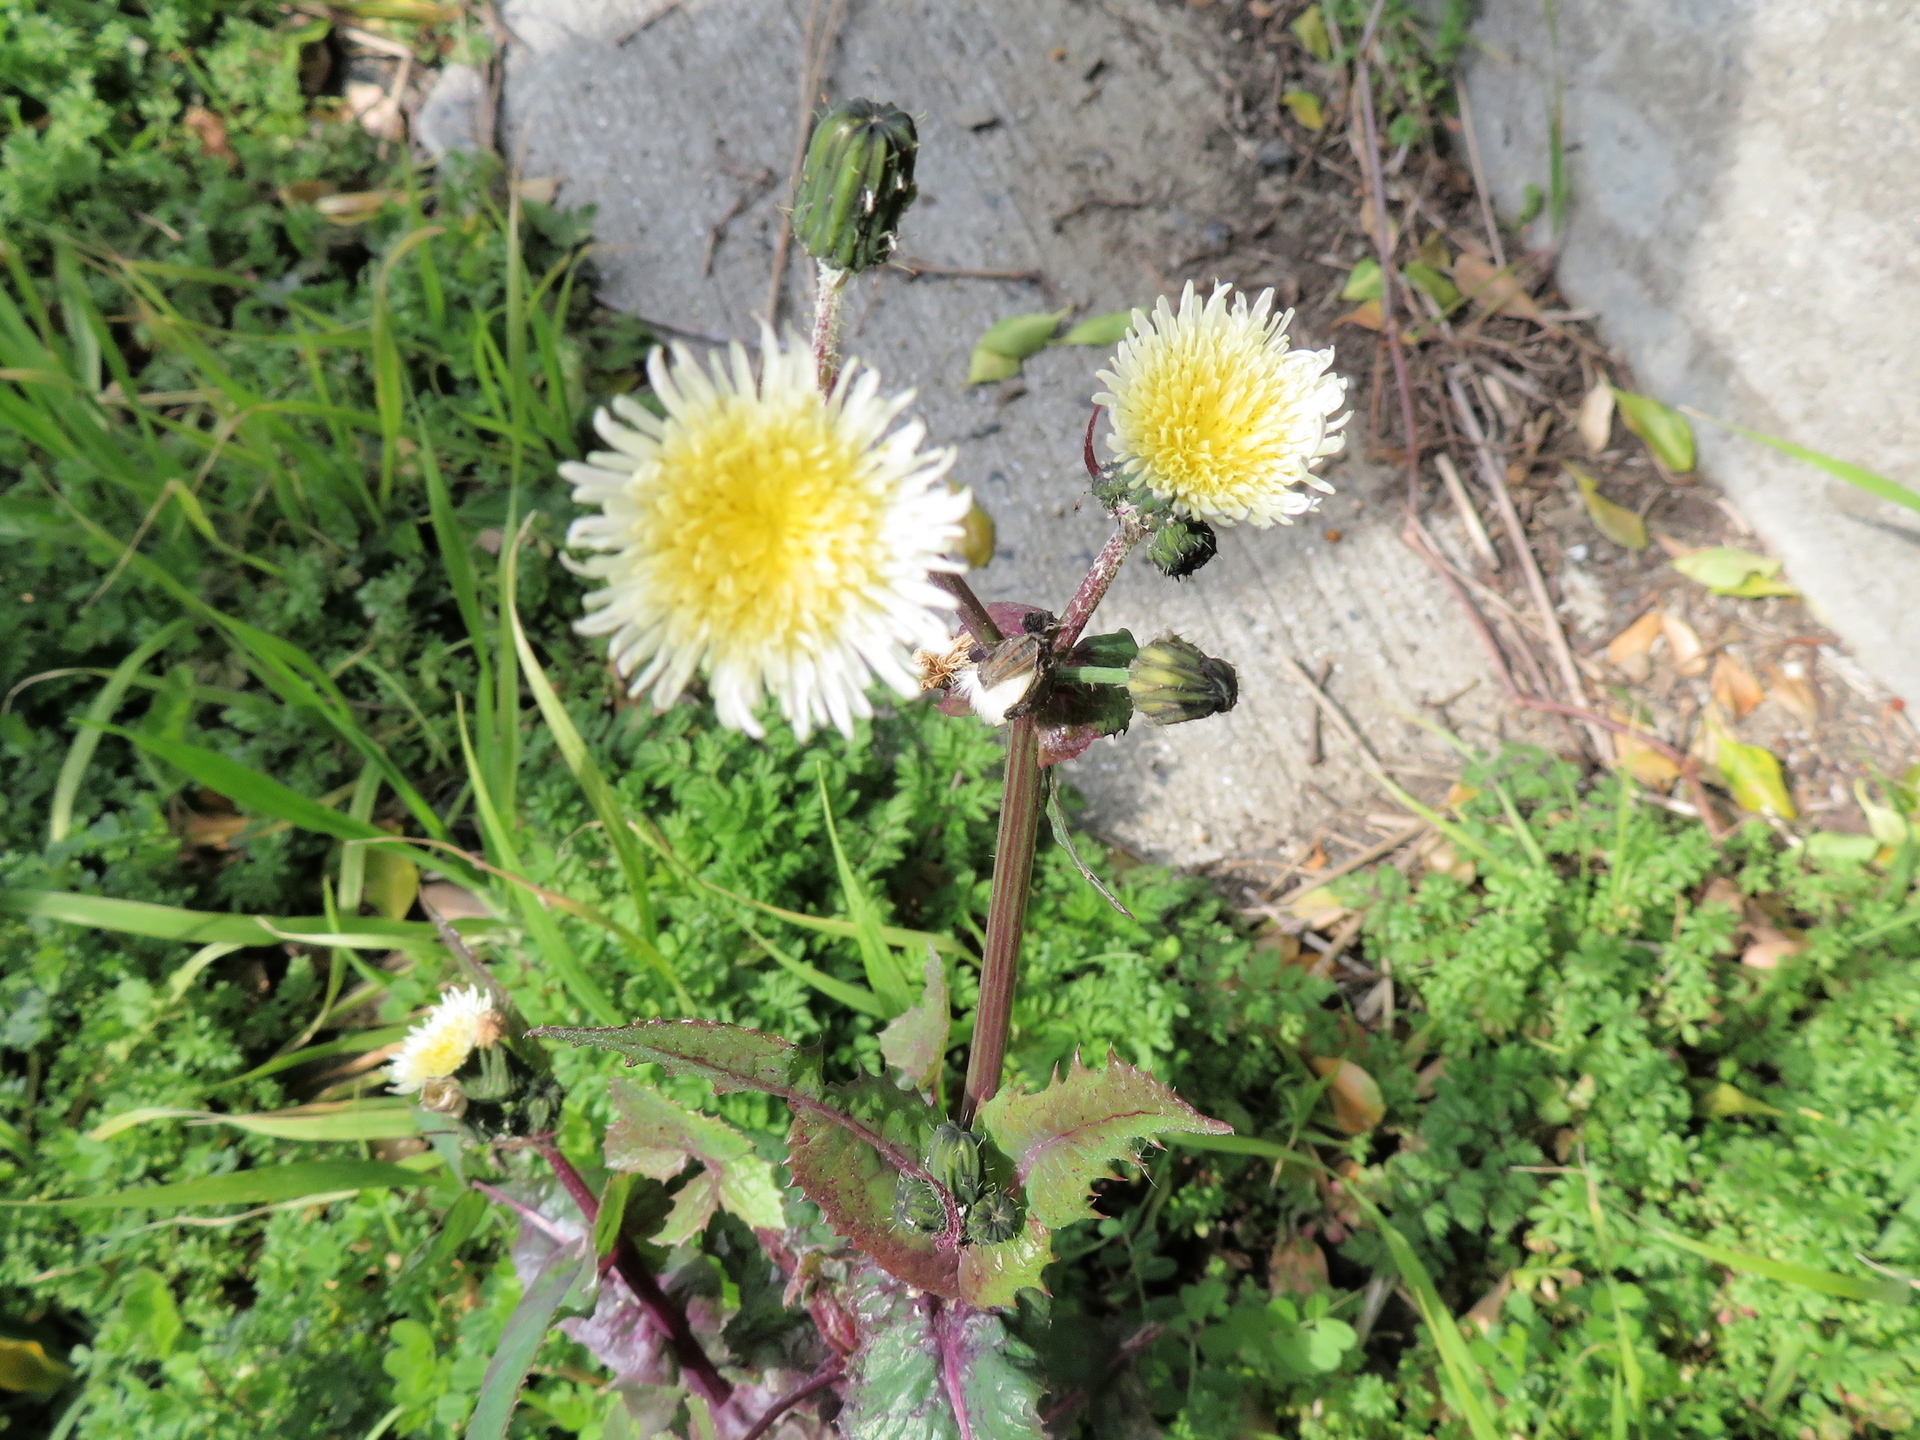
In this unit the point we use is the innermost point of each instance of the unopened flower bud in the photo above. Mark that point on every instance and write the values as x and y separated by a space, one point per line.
953 1158
856 184
994 1219
916 1206
443 1096
1173 681
1180 547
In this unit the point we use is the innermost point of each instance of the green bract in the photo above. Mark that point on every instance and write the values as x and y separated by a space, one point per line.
856 184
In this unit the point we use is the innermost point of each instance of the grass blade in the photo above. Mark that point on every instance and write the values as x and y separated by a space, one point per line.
80 754
1847 1287
1856 475
885 973
267 1185
206 927
854 997
520 1341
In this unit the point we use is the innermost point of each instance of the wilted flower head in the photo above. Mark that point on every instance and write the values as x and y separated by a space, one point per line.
441 1041
769 537
1216 416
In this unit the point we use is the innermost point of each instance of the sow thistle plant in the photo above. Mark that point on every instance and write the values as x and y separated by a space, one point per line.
782 534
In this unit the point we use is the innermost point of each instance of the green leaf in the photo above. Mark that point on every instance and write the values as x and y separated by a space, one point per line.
992 1276
651 1135
1306 108
915 1043
1364 282
1885 824
344 1120
26 1368
1723 569
1310 29
267 1185
1665 430
1019 336
854 997
80 754
1431 283
853 1183
148 1309
1100 329
732 1057
1067 1136
988 367
1619 524
900 1380
169 922
613 1211
1856 475
1753 775
520 1341
1847 1287
885 973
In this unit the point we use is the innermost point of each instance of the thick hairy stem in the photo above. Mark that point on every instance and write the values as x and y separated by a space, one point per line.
1006 916
702 1377
829 289
1093 589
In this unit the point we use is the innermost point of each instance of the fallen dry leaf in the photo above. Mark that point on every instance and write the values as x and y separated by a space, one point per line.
211 131
1794 694
1459 794
1430 1076
1596 417
1769 948
1619 524
1319 909
1734 687
1316 858
213 831
1443 859
1298 1267
1644 763
378 112
354 207
1635 640
1486 1310
1689 654
1675 549
1723 891
537 190
1492 288
1357 1104
1367 316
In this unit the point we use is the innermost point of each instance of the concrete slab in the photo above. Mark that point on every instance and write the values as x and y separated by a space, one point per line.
1745 217
1083 140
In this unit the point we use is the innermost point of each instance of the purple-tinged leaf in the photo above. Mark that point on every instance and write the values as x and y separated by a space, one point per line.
932 1369
853 1183
654 1136
1067 1136
915 1041
731 1056
992 1276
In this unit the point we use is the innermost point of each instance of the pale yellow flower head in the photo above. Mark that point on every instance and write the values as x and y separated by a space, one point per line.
1212 412
766 536
441 1041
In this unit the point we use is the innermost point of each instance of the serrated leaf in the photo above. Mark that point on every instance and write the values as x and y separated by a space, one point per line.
853 1183
1364 282
1665 430
992 1276
1067 1136
1357 1106
915 1042
732 1057
1108 329
1616 522
1306 109
655 1137
901 1381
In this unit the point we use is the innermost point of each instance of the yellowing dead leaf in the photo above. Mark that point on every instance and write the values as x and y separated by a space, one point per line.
1644 763
1319 909
1794 694
378 112
211 131
1616 522
354 207
1491 287
1752 774
213 831
1367 316
1769 948
1485 1312
1357 1104
1689 654
1734 687
1458 795
1636 639
1306 109
1595 422
1298 1267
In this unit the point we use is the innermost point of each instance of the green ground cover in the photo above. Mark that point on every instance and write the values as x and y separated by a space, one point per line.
1697 1179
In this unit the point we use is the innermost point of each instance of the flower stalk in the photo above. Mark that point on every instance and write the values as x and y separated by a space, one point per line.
829 295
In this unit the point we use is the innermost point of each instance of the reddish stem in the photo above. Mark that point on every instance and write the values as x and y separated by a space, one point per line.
702 1376
1093 589
792 1398
973 613
1006 916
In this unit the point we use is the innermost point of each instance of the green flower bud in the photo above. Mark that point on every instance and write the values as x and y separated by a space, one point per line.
1180 547
1173 681
856 184
916 1206
953 1158
993 1220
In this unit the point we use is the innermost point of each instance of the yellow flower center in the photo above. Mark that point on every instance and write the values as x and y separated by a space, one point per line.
761 532
1200 413
442 1050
